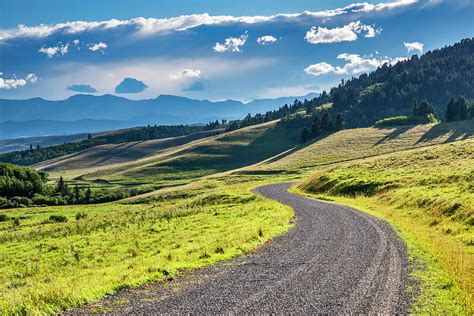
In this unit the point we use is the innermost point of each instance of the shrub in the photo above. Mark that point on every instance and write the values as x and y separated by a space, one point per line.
405 120
3 217
58 218
80 216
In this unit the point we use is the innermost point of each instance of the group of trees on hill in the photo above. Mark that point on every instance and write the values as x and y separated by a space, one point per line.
321 126
24 186
458 109
38 154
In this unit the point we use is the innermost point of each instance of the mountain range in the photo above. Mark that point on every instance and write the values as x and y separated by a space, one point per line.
88 113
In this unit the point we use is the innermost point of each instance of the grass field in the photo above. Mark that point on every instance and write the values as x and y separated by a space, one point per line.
427 193
47 266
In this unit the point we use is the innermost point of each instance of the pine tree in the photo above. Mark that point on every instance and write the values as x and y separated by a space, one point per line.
305 135
316 126
62 187
463 109
326 123
425 108
77 193
339 124
451 111
88 196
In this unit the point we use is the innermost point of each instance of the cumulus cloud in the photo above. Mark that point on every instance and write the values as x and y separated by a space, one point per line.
319 69
266 40
130 85
356 64
414 46
196 86
52 51
346 33
83 88
231 44
153 26
187 73
98 46
15 82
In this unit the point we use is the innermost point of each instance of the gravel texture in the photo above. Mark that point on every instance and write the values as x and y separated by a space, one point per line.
335 260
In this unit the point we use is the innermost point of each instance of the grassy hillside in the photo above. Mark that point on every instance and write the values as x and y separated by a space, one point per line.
48 264
108 154
182 164
429 194
358 143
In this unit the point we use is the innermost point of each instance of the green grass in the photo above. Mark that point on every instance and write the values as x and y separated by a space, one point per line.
427 193
46 266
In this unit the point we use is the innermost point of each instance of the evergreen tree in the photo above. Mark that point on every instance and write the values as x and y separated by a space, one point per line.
463 109
451 111
89 136
316 126
326 123
339 124
305 135
88 196
77 193
62 187
424 108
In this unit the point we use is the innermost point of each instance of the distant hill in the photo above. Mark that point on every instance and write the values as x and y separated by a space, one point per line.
89 113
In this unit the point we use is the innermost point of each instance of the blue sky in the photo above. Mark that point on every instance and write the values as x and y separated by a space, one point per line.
212 49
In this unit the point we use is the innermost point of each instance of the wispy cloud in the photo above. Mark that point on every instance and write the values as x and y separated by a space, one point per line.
414 46
231 44
187 73
346 33
153 26
266 40
52 51
98 46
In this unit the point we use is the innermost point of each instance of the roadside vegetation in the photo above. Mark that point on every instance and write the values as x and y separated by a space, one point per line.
428 194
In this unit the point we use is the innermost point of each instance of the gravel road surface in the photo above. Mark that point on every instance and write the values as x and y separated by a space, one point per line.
335 260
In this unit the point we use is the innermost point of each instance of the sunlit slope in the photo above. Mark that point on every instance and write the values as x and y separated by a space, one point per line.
203 157
365 142
108 154
427 192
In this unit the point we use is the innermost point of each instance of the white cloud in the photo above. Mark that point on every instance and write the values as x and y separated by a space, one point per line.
31 78
356 64
15 82
414 46
153 26
98 46
346 33
232 44
319 69
187 73
266 40
76 42
55 50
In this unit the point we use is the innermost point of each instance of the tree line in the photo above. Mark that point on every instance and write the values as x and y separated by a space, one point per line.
24 186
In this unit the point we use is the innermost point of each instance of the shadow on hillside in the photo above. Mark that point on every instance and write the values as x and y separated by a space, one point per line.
456 131
394 134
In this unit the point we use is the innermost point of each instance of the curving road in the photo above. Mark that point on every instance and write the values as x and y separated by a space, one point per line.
335 260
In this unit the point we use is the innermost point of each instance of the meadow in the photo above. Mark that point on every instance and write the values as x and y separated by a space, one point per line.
54 258
428 194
